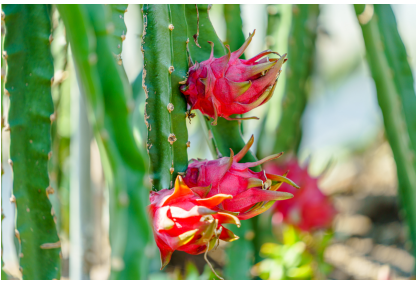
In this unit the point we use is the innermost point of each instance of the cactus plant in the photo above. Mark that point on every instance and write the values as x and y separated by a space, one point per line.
30 70
234 27
119 29
301 46
389 100
165 65
106 90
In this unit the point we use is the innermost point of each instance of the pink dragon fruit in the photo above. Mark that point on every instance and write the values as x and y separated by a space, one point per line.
220 87
182 220
310 209
252 192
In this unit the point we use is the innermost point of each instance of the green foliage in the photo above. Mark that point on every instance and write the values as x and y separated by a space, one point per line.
389 99
119 29
396 55
108 95
301 47
234 32
300 256
165 60
30 70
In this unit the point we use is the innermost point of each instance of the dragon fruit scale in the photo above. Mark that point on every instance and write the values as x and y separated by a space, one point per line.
182 220
311 209
252 192
220 87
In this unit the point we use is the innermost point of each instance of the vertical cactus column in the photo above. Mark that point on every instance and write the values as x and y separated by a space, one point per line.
226 135
389 99
301 47
119 29
106 89
234 32
164 49
30 70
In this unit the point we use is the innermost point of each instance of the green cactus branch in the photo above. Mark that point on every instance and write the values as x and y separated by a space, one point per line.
30 70
392 111
396 55
119 29
234 27
301 47
105 86
165 66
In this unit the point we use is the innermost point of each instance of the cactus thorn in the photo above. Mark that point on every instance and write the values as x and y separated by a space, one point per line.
120 62
170 107
123 37
52 117
51 245
188 143
171 69
5 56
171 138
17 234
182 82
126 11
171 27
171 170
10 162
51 38
49 190
12 199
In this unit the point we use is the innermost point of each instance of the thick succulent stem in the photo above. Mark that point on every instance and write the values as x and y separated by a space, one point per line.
165 59
105 86
389 100
234 27
226 135
397 58
301 46
119 29
30 70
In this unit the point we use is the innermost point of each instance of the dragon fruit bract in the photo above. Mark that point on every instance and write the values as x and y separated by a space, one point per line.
311 209
252 192
220 87
182 220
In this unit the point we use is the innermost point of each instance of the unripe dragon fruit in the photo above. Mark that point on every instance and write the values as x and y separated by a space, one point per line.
182 220
220 87
310 209
253 192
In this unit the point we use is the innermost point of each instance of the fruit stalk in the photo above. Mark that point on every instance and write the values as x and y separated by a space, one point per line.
392 111
106 90
30 73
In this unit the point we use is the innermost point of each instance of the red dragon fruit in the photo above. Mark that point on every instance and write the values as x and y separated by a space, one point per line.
310 209
185 221
252 192
220 87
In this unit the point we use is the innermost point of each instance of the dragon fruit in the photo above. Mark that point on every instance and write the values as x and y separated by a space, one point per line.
311 209
252 192
220 87
183 220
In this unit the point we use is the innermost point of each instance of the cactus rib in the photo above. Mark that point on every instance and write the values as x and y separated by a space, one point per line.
119 29
301 46
179 61
396 55
123 164
30 70
394 119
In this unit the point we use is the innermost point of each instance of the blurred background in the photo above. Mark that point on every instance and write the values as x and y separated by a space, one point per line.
343 141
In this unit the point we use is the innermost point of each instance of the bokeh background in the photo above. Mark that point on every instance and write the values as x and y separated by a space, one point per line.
343 140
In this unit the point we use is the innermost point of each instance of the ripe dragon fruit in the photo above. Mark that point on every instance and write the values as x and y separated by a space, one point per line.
310 209
252 192
184 220
220 87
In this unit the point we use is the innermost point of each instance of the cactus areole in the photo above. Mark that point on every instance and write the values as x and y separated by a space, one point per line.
220 87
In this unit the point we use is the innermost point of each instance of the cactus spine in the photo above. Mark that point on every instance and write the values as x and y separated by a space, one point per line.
165 65
301 46
119 29
30 70
392 111
226 135
106 89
